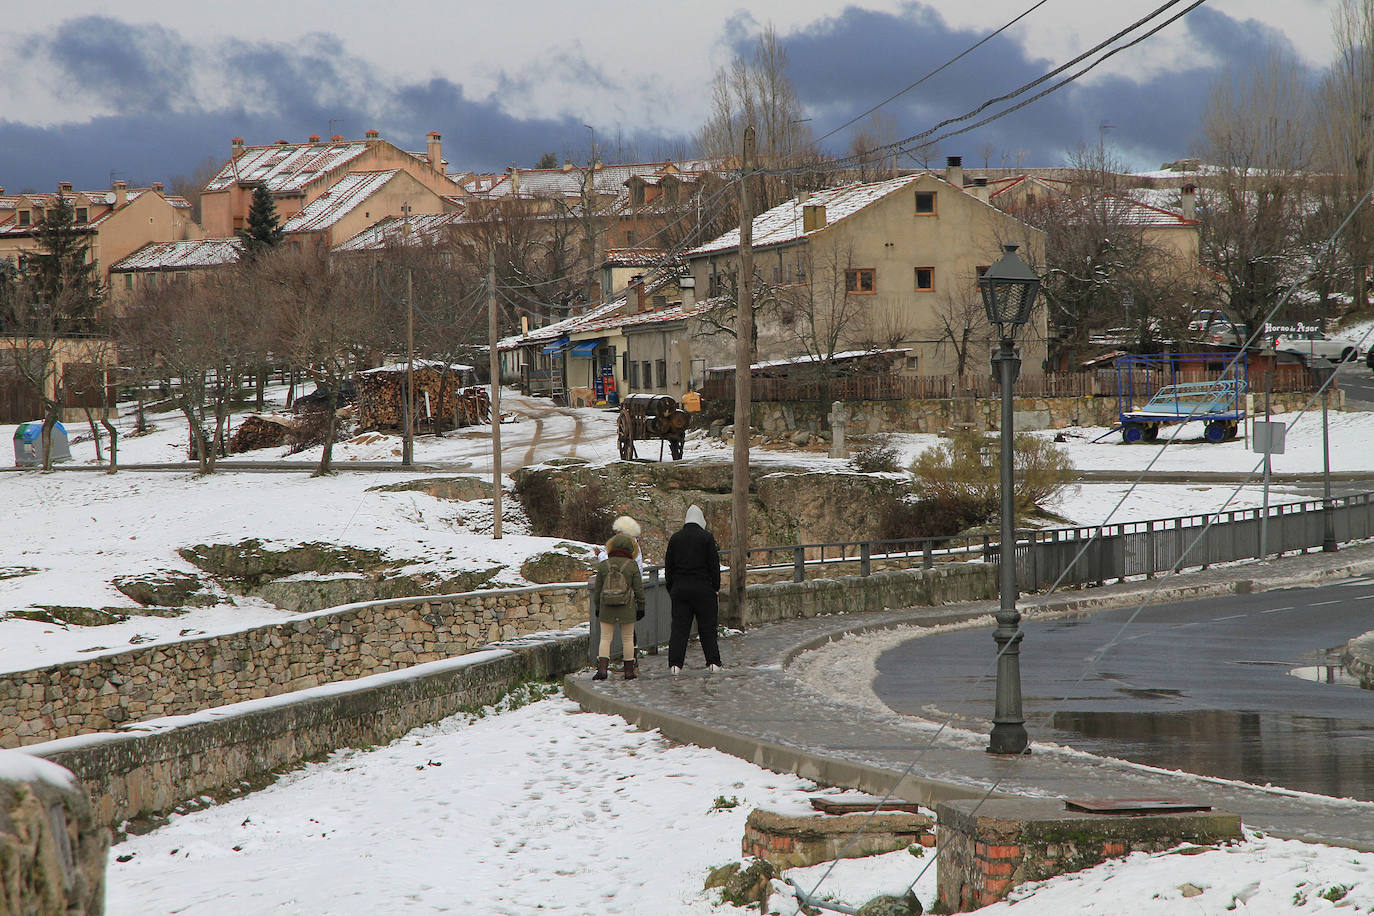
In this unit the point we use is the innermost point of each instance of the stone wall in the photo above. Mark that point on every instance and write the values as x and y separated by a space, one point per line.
989 846
897 588
52 852
799 840
319 648
164 763
935 415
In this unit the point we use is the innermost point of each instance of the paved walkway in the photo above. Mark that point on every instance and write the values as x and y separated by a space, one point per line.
755 710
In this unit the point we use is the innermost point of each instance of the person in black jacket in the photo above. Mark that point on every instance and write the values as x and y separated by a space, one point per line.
691 571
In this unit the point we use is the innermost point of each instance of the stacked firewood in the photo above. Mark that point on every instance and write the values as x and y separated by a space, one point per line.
260 431
440 401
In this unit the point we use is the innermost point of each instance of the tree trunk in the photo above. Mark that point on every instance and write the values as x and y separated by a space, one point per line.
262 389
114 442
95 435
45 440
331 425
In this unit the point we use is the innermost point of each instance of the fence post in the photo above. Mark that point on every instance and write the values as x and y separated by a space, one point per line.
865 556
798 564
927 555
1150 551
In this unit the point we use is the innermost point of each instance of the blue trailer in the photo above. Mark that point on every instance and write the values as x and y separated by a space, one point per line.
1171 392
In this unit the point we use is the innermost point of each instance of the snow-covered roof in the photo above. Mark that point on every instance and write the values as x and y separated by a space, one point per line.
635 257
342 197
286 166
561 328
783 223
181 255
606 179
416 229
78 199
811 358
418 364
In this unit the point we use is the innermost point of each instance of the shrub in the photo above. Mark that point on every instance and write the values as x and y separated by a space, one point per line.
539 497
583 516
961 476
310 430
877 454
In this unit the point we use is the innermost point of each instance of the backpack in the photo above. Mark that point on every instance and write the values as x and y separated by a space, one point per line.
616 587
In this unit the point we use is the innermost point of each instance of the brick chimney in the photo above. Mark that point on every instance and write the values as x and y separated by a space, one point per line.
954 170
637 287
121 193
236 147
336 138
157 186
435 151
373 135
1189 201
64 187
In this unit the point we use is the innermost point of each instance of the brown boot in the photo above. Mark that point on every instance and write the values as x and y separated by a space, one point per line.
630 672
602 666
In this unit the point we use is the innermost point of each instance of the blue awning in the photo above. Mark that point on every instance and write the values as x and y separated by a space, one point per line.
556 346
586 348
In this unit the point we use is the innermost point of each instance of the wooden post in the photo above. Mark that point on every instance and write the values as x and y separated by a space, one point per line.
744 339
408 401
495 363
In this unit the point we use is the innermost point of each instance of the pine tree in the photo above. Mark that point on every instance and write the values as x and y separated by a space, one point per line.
264 232
59 273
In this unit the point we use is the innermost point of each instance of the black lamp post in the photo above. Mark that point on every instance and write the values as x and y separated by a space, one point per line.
1009 289
1323 370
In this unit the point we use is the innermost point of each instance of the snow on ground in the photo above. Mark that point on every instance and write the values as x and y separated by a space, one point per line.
546 809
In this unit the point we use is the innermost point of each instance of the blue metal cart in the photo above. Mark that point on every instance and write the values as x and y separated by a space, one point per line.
1171 393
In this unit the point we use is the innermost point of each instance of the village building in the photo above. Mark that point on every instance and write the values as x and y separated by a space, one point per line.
298 174
115 223
159 263
890 265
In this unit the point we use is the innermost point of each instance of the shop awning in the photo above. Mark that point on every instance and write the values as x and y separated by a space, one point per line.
556 346
586 348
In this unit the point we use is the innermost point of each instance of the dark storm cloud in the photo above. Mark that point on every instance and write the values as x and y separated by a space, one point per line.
154 129
847 63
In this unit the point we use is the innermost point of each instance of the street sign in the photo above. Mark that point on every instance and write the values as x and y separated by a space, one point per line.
1268 437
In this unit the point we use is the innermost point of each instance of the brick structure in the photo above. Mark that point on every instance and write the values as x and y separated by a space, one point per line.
989 847
791 841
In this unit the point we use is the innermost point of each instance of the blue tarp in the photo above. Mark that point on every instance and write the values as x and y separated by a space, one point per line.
586 348
556 346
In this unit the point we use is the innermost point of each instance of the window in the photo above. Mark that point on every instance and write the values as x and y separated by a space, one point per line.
859 280
634 374
662 373
25 217
646 369
777 273
912 363
801 273
925 279
128 281
82 214
925 203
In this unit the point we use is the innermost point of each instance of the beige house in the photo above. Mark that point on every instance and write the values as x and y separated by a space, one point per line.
116 222
158 263
358 201
881 266
298 174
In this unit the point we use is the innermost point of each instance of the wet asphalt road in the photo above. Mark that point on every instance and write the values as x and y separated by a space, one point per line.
1201 686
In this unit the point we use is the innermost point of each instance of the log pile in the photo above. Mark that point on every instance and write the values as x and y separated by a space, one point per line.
440 400
260 431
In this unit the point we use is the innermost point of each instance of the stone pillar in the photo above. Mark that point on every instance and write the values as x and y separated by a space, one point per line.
839 420
52 850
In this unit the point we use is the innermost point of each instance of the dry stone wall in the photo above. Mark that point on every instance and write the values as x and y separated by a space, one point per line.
338 644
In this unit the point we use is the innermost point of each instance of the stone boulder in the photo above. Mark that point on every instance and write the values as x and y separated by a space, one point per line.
164 588
566 562
459 488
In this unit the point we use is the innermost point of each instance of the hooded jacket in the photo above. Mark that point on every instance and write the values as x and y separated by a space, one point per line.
692 557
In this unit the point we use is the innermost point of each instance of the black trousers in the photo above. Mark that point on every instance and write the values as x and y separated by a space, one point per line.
693 601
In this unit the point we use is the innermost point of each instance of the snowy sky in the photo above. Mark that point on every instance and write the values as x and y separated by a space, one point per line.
150 89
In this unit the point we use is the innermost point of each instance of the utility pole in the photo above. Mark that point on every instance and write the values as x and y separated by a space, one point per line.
744 340
408 404
495 397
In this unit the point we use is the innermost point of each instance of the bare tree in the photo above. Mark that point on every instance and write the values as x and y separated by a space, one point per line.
818 315
963 324
1257 136
877 132
1346 135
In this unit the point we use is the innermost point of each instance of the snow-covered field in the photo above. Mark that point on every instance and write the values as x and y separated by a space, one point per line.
542 809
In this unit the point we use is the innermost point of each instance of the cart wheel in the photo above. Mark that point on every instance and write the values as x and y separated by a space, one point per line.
1132 433
1216 431
675 447
1152 432
625 439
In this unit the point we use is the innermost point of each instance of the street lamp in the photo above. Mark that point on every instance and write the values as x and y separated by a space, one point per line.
1323 370
1009 288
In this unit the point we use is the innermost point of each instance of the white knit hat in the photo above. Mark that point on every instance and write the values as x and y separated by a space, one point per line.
626 526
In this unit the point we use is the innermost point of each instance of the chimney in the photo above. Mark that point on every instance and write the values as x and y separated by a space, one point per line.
980 189
314 138
121 193
1189 201
954 170
64 187
813 217
637 287
236 148
157 186
2 190
435 151
567 165
514 180
336 138
373 135
282 143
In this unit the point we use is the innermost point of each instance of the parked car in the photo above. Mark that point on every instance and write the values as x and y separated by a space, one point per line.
1224 333
1310 345
1206 319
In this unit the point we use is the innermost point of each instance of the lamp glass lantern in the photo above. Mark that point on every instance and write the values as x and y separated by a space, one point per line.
1009 288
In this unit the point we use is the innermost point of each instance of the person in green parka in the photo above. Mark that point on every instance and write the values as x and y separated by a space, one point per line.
618 596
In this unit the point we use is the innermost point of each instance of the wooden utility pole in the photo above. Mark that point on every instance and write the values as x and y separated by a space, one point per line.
408 402
744 341
495 362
